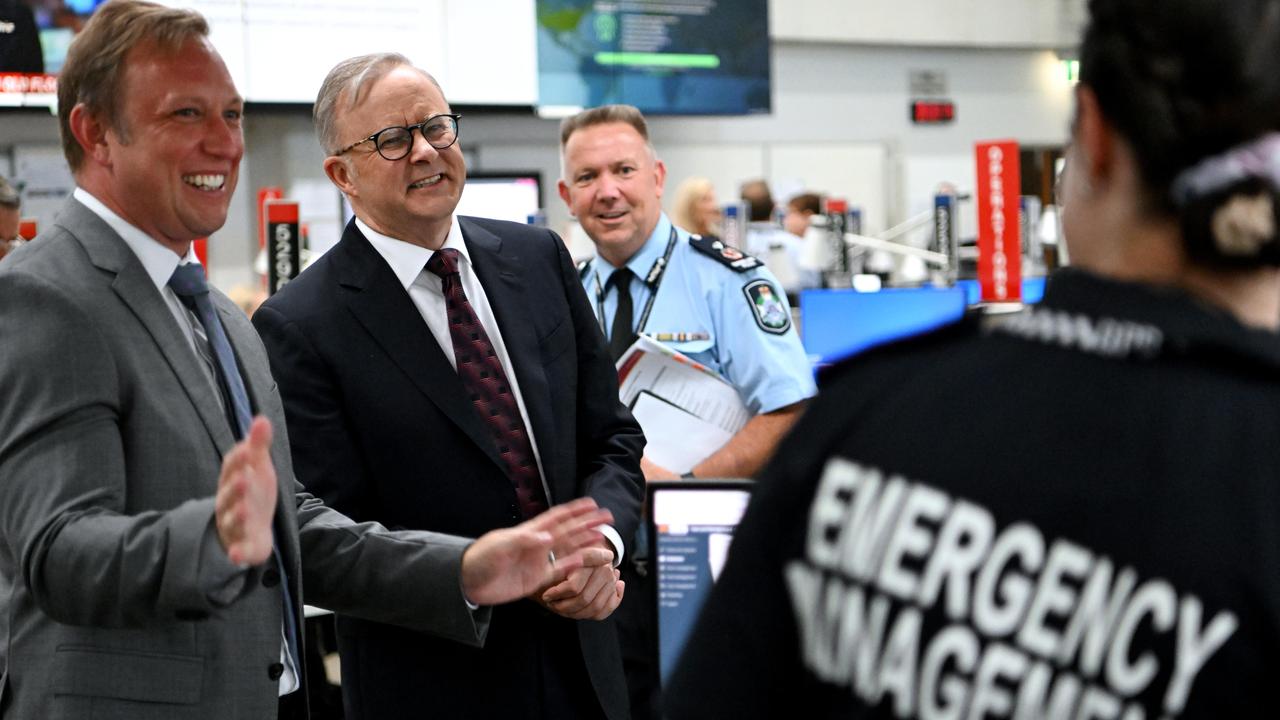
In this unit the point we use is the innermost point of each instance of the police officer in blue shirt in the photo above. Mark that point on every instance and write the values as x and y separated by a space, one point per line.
701 297
695 294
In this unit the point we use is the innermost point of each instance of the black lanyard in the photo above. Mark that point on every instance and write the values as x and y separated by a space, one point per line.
652 280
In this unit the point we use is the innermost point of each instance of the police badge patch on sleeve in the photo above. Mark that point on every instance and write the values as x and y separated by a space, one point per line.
766 305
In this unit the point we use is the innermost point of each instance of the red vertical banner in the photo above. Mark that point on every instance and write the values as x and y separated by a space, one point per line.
284 246
265 194
201 246
999 237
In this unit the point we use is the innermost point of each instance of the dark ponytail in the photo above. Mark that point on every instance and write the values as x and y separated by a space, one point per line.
1185 81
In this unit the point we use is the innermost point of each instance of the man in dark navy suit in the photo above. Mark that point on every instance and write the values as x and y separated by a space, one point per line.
447 373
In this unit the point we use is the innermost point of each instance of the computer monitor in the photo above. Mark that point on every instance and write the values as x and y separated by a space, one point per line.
501 196
838 323
699 58
691 524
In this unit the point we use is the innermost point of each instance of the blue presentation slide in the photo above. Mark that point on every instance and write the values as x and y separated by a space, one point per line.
688 563
697 57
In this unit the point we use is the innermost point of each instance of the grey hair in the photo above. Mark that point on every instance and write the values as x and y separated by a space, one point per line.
347 81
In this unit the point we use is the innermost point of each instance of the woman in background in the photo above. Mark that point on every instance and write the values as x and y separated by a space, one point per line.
1074 512
695 208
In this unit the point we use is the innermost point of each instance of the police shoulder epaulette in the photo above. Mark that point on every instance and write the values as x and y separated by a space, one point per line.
583 267
727 255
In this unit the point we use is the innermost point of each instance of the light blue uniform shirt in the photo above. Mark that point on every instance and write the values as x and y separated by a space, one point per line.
702 297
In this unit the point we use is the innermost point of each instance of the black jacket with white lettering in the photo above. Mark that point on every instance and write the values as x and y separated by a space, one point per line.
1074 512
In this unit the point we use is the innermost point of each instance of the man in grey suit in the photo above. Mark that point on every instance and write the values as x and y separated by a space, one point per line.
147 570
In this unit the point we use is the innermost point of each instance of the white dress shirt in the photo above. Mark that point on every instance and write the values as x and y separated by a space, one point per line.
160 262
409 264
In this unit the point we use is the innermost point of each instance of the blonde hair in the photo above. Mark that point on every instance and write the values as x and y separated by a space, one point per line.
684 208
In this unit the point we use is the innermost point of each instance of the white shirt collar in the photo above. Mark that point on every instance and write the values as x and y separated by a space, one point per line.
158 260
407 260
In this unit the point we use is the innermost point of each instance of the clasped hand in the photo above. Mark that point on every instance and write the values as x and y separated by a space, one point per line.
591 592
508 564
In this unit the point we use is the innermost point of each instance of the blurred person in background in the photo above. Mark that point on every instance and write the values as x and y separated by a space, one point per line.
799 209
779 249
694 207
10 217
247 297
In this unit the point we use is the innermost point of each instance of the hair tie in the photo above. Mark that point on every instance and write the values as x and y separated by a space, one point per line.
1259 158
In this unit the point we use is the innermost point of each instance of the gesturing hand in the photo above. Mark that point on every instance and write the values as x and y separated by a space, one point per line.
508 564
246 499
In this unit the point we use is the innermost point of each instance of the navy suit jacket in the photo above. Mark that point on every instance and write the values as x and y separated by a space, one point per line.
382 429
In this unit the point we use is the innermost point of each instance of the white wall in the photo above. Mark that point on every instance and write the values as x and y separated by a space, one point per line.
847 98
852 99
1048 24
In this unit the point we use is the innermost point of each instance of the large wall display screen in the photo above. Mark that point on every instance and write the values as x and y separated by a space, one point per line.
278 51
677 57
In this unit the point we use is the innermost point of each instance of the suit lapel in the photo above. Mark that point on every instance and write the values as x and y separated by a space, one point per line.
504 286
106 250
378 301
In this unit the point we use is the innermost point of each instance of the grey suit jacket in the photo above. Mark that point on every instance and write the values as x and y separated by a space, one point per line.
111 441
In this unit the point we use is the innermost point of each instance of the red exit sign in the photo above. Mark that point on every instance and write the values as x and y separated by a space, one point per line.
928 112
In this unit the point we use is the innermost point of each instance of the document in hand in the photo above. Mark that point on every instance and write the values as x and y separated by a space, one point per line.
687 410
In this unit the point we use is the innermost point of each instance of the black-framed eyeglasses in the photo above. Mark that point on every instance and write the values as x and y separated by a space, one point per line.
395 142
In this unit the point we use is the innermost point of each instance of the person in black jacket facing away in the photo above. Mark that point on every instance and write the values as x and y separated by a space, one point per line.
1075 512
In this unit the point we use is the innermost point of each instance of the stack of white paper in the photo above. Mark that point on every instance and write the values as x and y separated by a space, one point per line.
687 410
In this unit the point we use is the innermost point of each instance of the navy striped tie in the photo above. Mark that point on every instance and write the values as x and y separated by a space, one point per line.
189 284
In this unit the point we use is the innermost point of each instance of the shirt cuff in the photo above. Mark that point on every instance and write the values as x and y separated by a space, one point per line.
615 540
779 399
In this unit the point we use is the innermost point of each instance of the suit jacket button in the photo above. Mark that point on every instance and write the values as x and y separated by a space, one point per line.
270 577
275 670
190 615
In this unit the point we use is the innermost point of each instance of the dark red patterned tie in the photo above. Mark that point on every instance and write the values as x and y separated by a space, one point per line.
482 376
